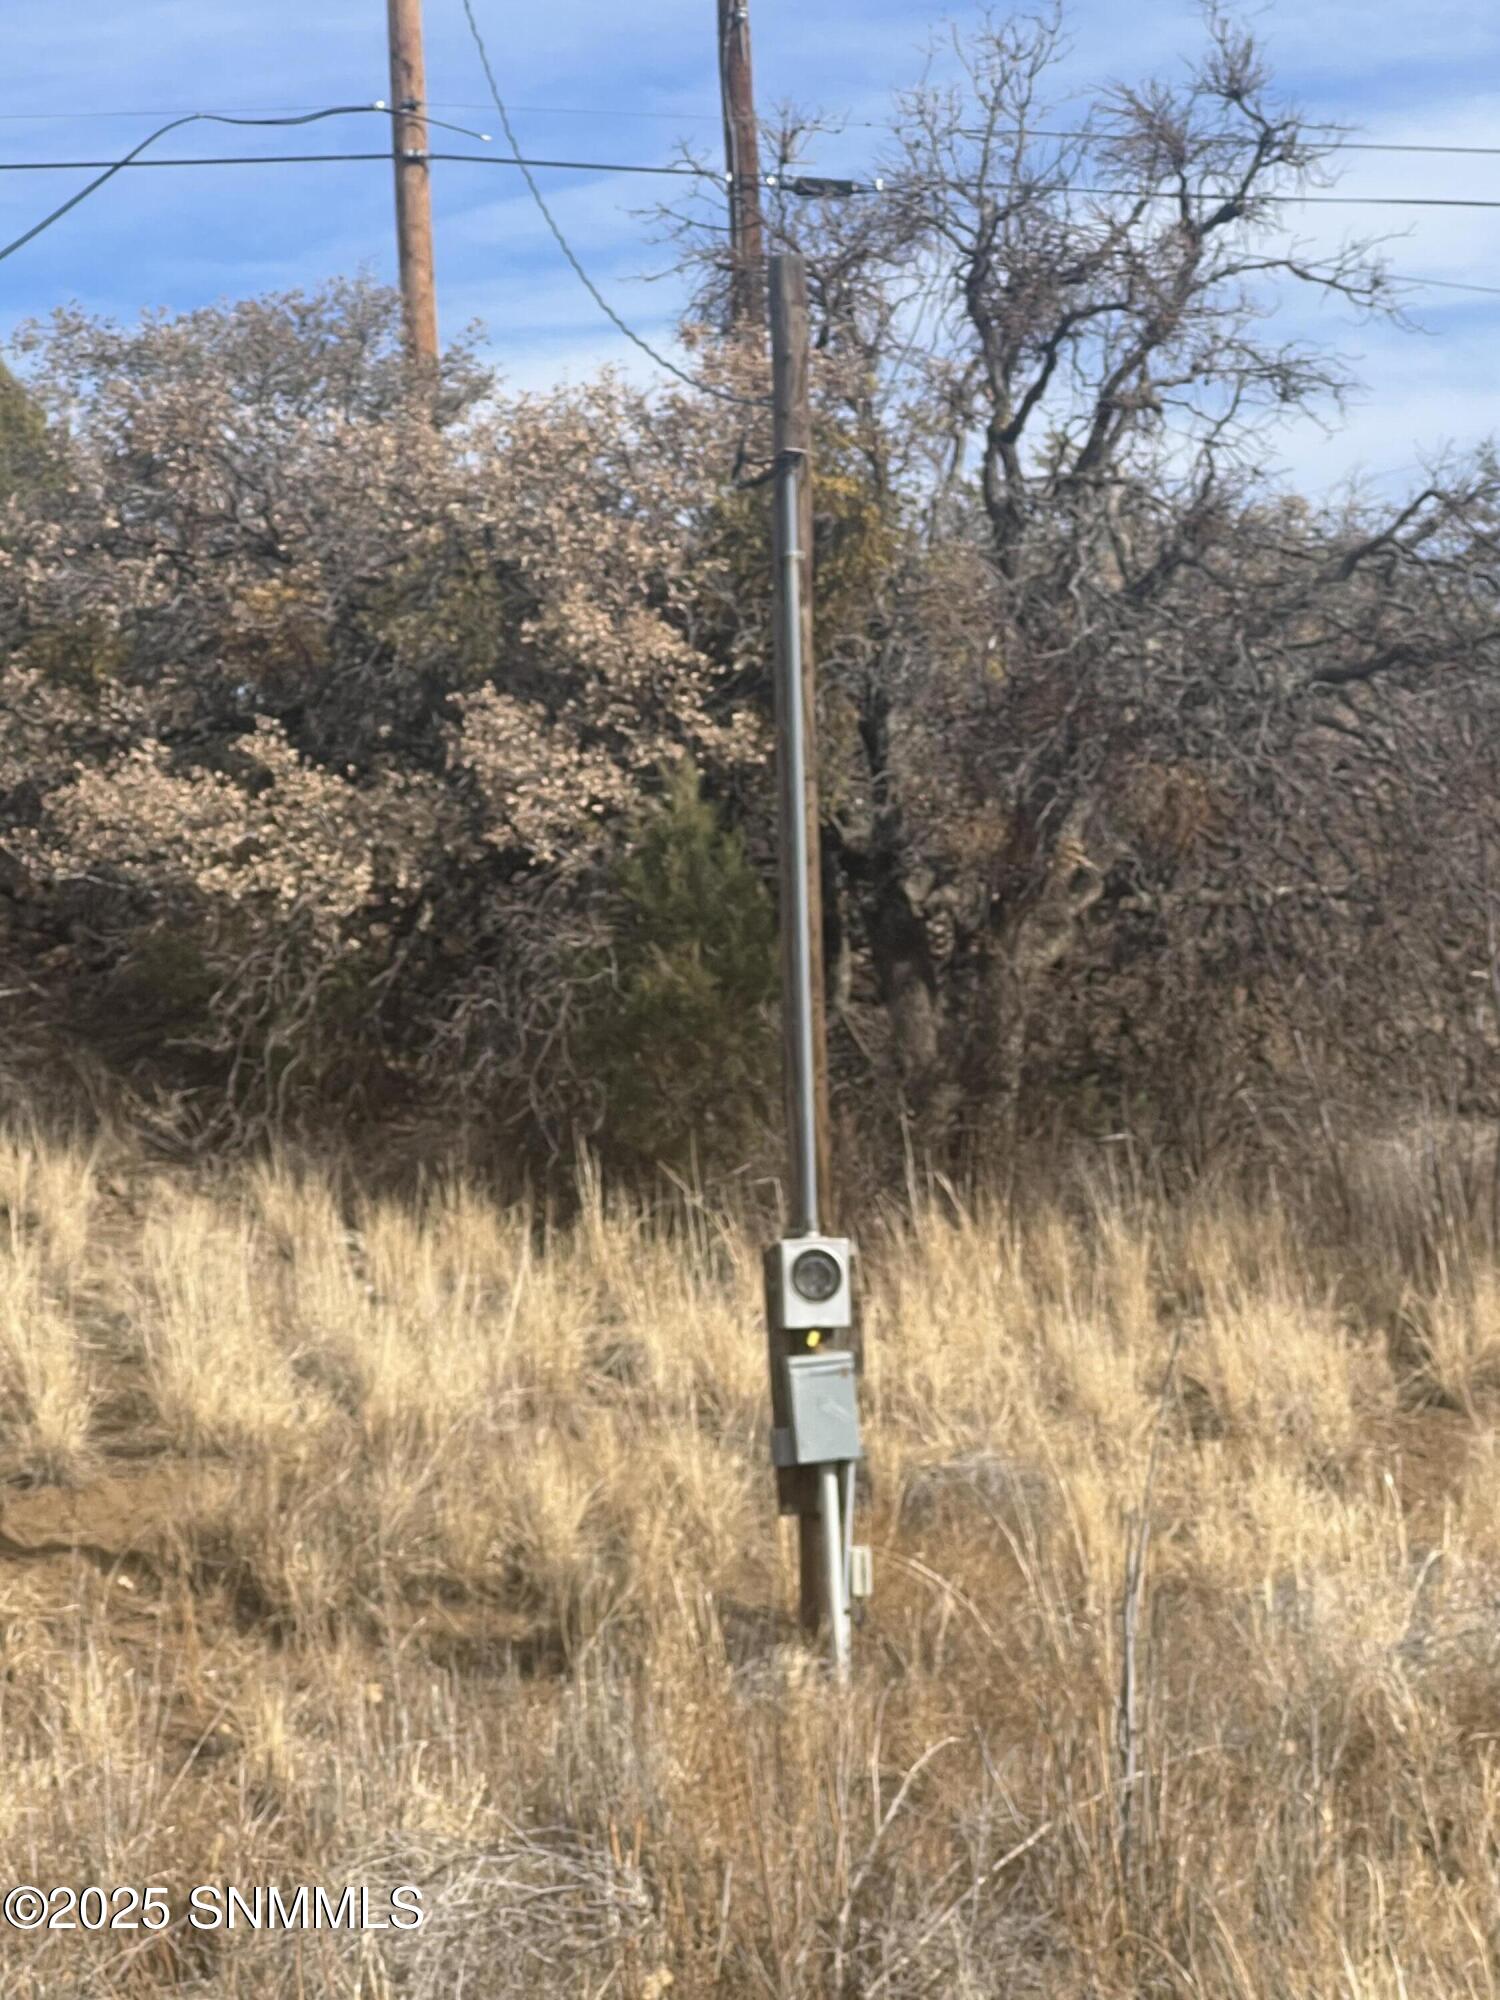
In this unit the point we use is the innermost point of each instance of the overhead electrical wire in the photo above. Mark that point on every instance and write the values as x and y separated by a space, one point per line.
224 110
800 184
1339 145
661 360
133 157
805 185
279 159
1296 200
1334 146
1219 195
712 117
505 160
1447 284
875 125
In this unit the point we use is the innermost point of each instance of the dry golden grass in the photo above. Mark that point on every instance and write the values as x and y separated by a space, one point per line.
351 1541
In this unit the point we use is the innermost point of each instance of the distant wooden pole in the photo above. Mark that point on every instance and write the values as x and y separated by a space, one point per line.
413 180
804 1027
747 242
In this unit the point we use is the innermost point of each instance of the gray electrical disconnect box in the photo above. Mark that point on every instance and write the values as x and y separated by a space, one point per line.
822 1425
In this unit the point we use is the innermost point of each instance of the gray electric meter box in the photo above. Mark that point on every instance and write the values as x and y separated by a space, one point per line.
822 1425
807 1284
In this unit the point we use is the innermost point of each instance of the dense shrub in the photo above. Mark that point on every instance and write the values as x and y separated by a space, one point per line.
1152 795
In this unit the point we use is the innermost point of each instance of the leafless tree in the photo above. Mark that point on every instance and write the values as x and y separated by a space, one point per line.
1116 691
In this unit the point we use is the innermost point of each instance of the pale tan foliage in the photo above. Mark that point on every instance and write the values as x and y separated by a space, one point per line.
303 848
307 695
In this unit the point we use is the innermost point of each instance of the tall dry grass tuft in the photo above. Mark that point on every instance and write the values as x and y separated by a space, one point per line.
47 1195
356 1540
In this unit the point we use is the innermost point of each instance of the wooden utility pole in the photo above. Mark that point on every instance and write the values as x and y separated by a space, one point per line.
804 1027
747 245
413 180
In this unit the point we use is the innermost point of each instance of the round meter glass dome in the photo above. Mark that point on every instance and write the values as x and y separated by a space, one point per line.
816 1276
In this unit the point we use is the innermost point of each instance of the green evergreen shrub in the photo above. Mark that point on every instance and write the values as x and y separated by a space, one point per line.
682 1040
26 459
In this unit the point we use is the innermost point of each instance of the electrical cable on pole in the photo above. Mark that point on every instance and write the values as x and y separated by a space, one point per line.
134 164
132 158
312 159
811 187
594 111
661 360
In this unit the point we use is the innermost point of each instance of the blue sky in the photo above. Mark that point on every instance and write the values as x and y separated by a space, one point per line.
628 83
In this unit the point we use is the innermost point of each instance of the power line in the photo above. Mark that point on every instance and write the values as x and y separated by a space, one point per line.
622 111
1219 196
1335 146
661 361
132 161
432 104
132 158
876 125
803 184
1446 284
303 159
242 115
1413 146
505 160
1297 200
224 110
711 117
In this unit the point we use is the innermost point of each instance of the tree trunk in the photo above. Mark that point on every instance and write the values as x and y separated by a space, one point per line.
1028 943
